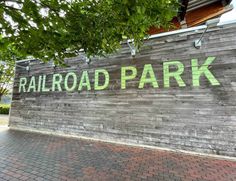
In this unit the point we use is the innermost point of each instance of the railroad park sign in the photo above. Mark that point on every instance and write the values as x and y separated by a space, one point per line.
169 95
60 82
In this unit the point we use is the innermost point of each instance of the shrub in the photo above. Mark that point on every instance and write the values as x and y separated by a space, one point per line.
4 109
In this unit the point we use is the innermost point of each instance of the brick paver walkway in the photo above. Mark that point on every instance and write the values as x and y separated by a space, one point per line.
29 156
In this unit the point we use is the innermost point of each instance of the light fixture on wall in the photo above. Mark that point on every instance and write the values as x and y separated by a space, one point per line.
132 47
86 59
20 66
209 24
27 68
54 65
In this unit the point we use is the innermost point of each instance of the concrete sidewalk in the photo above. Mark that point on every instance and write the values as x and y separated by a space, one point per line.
4 119
31 156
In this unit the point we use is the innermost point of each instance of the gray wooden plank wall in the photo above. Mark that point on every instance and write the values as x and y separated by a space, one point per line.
201 119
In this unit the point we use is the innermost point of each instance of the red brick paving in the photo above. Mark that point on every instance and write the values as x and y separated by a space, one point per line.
30 156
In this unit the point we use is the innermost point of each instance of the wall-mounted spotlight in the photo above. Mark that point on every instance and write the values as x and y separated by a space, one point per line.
86 59
27 68
132 47
54 65
209 24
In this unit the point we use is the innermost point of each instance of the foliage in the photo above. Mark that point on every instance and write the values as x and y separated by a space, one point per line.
4 109
6 76
9 53
4 105
54 30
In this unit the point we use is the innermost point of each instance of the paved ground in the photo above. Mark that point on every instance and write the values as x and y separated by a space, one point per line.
4 119
28 156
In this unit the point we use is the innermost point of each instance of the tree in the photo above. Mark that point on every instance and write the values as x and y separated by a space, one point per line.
9 53
6 76
8 56
54 30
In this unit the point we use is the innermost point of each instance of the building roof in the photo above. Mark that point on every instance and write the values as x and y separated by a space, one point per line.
196 12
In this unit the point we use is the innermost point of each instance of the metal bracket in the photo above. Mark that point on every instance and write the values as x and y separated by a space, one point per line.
132 48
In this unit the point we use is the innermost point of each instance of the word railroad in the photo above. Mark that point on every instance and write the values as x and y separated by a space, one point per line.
72 82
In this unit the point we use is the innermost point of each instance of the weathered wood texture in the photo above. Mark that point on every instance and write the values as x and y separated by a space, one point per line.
201 119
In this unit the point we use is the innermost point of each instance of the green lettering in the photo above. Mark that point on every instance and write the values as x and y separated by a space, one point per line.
176 74
23 82
204 69
84 81
32 84
39 83
152 78
56 82
74 77
44 88
96 81
125 77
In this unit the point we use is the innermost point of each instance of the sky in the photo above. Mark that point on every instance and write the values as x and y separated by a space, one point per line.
229 16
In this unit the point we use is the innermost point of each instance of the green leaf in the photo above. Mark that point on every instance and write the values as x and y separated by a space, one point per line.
98 27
